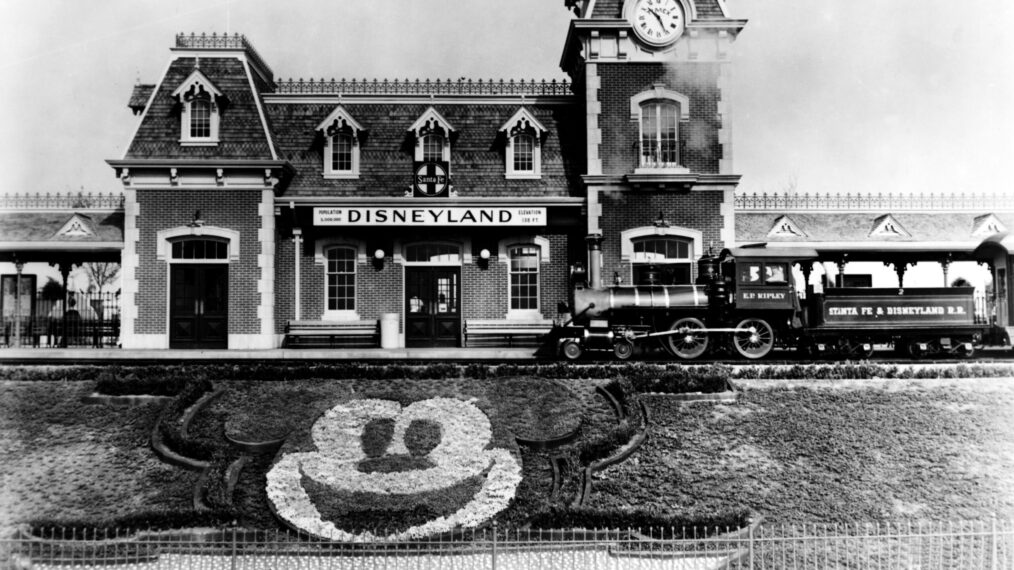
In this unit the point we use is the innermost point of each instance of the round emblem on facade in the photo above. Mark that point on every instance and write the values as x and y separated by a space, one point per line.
430 179
348 464
657 22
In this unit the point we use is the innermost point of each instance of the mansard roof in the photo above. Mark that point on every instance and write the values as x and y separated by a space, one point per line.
242 134
386 150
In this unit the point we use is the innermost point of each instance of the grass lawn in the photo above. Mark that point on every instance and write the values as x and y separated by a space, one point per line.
63 459
830 451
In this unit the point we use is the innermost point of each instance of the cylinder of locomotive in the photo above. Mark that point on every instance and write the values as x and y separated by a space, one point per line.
655 297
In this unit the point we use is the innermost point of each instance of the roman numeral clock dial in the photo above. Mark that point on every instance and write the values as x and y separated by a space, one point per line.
658 22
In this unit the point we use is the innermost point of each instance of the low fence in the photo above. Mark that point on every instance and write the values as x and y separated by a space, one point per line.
91 319
986 545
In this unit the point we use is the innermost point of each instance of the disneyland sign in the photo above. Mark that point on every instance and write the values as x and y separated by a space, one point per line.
422 216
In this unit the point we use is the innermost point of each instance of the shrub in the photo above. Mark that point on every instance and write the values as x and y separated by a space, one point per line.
652 522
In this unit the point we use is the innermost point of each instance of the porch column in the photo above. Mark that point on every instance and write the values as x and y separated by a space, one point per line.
19 266
594 260
65 269
807 269
945 265
900 267
841 270
297 241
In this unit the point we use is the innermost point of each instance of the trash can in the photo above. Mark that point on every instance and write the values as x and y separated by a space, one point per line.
389 330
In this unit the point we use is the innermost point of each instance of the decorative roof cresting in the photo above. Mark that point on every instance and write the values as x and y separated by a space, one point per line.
423 87
69 201
224 41
875 202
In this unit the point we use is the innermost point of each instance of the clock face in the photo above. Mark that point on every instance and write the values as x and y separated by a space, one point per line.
658 22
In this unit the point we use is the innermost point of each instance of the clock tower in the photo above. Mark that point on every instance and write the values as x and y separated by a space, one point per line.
654 78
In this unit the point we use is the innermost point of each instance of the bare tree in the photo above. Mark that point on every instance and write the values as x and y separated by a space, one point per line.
100 274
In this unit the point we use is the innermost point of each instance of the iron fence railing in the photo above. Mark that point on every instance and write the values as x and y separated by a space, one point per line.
971 545
92 319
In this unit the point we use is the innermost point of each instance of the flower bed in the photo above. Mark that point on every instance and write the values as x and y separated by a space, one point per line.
333 457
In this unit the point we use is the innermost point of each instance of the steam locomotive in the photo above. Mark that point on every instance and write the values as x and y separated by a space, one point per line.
744 300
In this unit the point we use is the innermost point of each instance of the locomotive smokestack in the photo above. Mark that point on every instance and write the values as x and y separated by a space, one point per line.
594 260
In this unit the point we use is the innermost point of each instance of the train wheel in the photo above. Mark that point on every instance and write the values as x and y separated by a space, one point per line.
571 350
623 349
755 339
690 342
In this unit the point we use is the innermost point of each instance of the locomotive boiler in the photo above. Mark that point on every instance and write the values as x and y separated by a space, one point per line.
746 300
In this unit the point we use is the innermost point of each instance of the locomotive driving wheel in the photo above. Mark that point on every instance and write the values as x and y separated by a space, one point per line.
571 350
690 342
754 339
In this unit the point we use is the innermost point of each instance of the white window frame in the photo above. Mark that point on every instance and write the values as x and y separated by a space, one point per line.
197 85
341 314
627 238
321 247
340 122
523 123
503 256
659 95
523 313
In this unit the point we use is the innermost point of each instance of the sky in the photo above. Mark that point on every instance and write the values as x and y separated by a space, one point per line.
828 95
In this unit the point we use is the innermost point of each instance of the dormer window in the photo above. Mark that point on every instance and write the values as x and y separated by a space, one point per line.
342 140
658 113
524 145
432 137
201 105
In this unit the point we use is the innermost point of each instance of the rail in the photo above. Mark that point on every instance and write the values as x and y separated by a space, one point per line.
979 203
531 88
69 201
970 545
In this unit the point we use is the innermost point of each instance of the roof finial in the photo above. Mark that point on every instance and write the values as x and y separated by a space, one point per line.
197 63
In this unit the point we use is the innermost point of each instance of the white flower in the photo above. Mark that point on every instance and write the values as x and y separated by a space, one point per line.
460 454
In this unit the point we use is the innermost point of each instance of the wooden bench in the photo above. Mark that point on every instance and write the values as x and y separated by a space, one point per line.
497 332
332 334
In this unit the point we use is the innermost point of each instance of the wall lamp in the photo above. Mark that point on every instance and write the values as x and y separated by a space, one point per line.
378 259
484 258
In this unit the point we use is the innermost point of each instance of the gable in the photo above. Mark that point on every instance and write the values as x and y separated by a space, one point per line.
886 227
987 225
786 227
78 226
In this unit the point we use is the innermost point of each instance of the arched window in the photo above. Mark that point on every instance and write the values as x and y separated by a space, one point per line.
441 253
196 249
524 277
660 134
200 117
524 153
341 278
433 148
662 260
341 153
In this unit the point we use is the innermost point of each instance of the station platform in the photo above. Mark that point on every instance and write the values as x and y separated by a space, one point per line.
111 355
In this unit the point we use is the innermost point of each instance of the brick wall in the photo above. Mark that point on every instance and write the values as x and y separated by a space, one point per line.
626 210
620 82
484 290
231 209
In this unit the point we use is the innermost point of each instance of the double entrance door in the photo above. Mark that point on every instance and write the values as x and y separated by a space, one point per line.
432 307
198 305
